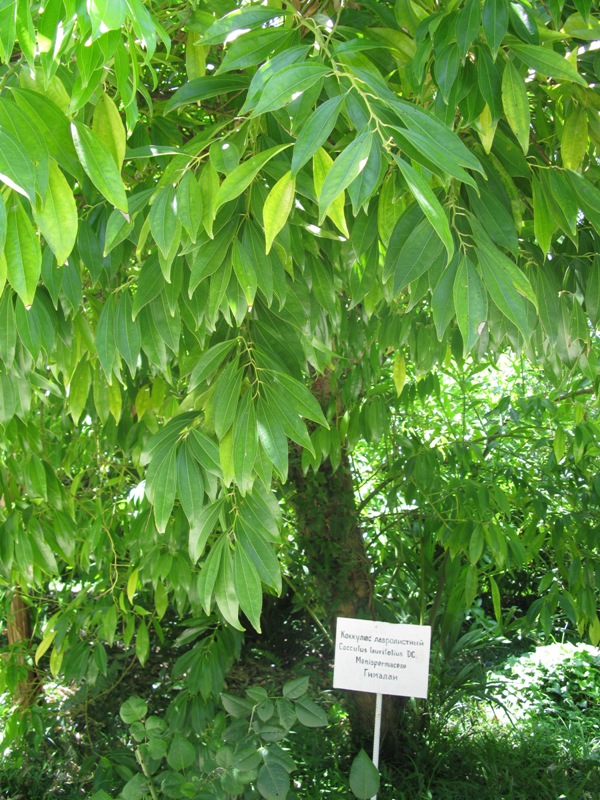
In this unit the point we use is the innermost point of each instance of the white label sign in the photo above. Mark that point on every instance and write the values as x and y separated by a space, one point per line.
381 657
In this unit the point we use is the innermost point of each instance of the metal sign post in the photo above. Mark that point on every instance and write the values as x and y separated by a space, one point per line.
382 658
377 732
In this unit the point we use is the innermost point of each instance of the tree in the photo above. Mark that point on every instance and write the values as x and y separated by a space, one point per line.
218 221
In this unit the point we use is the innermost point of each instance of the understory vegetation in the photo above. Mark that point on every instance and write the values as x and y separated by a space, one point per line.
531 730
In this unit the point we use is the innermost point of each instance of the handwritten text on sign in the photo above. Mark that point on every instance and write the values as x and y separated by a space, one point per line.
381 657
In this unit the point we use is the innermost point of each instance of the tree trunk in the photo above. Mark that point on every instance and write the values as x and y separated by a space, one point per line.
19 636
329 533
330 537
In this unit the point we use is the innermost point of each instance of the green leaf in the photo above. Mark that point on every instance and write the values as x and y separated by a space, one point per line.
322 164
57 216
434 131
163 489
587 196
7 399
182 753
524 23
142 643
3 271
52 125
299 398
237 707
150 284
409 259
226 396
247 586
515 102
496 218
245 272
274 65
16 167
23 253
277 207
135 788
26 32
574 138
503 292
163 219
79 389
291 420
118 228
127 332
592 294
205 88
442 300
101 396
203 527
190 485
310 714
245 440
364 777
189 204
490 84
211 255
295 688
368 181
133 709
247 18
109 129
494 18
510 269
3 224
272 438
28 326
467 25
99 165
260 552
399 373
287 84
225 591
429 203
8 29
226 458
496 602
205 451
543 224
446 65
145 26
254 48
8 329
242 176
350 163
106 15
273 781
470 302
432 154
549 63
247 758
315 131
548 293
18 124
471 584
106 346
209 362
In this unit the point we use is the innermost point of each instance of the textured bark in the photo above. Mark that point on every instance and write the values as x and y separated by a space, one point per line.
332 541
19 636
330 536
